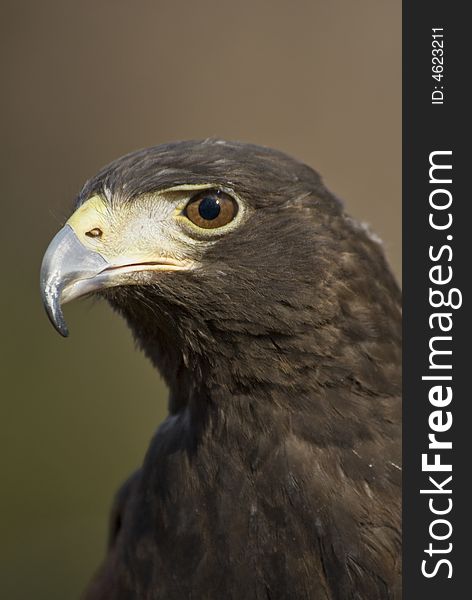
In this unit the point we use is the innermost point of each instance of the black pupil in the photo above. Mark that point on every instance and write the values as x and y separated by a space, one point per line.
209 208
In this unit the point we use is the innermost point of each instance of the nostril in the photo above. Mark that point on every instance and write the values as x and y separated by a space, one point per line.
96 232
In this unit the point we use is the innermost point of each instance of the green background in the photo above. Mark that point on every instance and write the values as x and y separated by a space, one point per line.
84 82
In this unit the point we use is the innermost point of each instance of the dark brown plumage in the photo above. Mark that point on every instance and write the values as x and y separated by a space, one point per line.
277 472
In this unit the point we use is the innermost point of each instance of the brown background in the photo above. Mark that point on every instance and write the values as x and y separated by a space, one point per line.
84 82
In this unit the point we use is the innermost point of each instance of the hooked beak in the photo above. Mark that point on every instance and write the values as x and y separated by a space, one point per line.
70 270
100 248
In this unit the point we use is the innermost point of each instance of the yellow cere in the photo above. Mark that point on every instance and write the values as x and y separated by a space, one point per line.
92 214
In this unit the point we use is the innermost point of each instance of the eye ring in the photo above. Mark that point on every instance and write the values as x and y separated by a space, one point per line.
211 209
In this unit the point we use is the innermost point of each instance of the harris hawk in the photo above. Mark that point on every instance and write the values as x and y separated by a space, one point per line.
275 321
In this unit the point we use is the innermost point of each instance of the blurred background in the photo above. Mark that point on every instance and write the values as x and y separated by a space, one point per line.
84 82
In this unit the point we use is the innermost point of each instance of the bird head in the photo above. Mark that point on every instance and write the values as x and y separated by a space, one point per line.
214 251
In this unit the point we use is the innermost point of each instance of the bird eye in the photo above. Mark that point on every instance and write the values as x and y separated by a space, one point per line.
210 209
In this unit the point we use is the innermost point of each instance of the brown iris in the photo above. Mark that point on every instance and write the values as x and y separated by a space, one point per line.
210 209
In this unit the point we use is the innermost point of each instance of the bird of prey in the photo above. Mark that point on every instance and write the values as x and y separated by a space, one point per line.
275 321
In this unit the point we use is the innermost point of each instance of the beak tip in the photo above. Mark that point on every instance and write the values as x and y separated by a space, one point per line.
57 320
63 330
